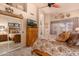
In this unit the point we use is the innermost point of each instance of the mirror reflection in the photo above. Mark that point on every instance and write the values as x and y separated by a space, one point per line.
10 34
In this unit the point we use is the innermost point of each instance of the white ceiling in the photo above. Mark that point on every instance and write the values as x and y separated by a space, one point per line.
63 7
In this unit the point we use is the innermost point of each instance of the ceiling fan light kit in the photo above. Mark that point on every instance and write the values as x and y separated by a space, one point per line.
53 5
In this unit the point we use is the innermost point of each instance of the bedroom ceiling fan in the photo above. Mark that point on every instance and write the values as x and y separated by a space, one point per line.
55 5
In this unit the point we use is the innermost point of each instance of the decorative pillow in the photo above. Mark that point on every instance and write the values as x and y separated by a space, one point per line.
63 36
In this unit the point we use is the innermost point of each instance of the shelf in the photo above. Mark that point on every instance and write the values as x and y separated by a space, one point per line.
10 14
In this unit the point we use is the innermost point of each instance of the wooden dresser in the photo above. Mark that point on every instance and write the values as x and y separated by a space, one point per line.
3 37
17 38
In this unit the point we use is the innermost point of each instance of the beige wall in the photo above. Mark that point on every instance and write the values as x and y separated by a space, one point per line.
31 11
44 26
47 26
41 25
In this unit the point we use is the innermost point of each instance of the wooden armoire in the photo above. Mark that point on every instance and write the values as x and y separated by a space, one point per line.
32 35
32 32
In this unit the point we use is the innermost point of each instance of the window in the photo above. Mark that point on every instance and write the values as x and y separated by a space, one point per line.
58 27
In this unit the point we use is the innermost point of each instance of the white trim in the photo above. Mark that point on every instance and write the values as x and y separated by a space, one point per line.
62 19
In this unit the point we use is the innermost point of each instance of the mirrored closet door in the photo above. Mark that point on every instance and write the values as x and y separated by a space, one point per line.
14 33
10 33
